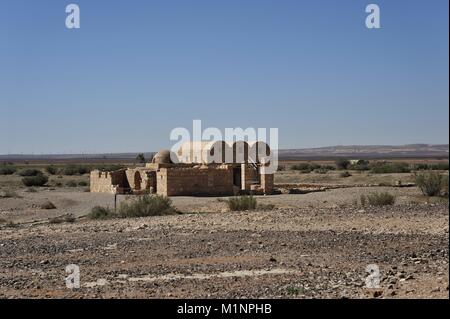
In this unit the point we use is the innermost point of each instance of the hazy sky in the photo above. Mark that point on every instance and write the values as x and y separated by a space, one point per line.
137 69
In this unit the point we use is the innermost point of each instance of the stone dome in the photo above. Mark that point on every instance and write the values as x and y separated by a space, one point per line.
162 157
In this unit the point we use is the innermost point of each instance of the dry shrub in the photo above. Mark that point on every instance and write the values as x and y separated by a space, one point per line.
432 183
241 203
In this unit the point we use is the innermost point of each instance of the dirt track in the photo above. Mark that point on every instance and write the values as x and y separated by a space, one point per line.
286 253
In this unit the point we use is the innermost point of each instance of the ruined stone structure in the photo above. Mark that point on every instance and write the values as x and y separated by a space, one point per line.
198 169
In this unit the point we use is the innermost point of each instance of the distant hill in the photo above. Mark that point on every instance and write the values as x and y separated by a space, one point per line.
371 151
351 151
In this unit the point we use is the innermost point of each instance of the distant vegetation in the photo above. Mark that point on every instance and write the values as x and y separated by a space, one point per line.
7 170
78 169
438 166
29 172
385 168
75 170
342 163
140 158
310 167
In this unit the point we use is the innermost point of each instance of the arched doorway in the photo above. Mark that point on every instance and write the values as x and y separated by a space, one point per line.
137 181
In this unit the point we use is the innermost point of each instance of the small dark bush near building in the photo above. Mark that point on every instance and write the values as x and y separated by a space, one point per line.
39 180
146 205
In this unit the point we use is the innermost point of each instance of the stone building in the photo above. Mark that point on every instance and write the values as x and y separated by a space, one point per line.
197 169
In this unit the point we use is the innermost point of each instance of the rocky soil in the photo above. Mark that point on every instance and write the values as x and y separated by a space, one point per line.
289 252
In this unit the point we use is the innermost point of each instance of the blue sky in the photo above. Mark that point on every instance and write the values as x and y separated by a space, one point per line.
137 69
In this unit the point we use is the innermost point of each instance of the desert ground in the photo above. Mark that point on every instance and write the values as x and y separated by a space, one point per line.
315 243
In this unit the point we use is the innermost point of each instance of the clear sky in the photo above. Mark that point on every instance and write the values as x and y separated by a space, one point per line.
137 69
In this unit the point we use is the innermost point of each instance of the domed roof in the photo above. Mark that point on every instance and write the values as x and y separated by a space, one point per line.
162 157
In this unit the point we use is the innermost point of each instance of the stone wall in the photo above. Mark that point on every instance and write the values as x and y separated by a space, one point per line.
201 181
108 182
267 183
249 176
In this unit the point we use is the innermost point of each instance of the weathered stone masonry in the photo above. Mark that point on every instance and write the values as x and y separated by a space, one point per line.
192 177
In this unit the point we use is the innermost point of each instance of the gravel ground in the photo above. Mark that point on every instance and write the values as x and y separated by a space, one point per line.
289 252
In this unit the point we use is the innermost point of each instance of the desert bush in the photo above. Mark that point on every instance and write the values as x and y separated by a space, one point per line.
385 168
432 183
281 168
29 172
7 170
342 163
361 165
39 180
71 184
99 212
314 166
434 167
321 170
240 203
345 174
83 184
72 169
380 199
52 170
146 205
48 205
301 167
